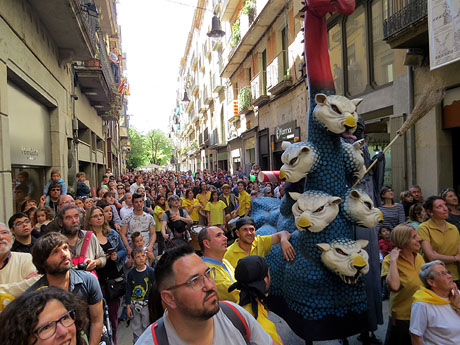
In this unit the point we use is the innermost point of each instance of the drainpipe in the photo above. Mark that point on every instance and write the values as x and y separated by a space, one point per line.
412 130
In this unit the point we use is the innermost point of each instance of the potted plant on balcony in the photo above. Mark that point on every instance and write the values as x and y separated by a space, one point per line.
245 99
249 9
96 62
236 36
116 105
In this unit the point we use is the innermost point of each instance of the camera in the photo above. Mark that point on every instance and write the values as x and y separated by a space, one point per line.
82 266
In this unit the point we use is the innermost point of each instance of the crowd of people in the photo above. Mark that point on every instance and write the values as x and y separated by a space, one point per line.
178 251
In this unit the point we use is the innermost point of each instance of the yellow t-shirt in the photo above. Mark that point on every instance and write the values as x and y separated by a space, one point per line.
225 276
445 243
244 203
203 199
262 319
194 214
216 212
157 214
261 246
401 300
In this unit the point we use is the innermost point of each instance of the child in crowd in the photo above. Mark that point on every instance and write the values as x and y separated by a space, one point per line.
83 189
56 178
138 285
42 217
385 245
138 242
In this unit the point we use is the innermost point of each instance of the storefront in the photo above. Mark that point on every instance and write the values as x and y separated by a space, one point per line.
30 145
286 132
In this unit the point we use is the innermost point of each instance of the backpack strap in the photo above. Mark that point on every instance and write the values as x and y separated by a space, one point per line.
237 320
85 245
159 333
181 211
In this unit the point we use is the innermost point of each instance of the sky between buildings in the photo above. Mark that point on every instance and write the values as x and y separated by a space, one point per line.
154 34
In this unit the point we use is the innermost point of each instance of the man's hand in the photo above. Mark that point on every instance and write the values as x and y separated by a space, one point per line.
129 312
42 200
91 265
455 297
288 250
166 237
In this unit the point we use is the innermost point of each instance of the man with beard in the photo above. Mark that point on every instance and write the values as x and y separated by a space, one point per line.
69 220
51 256
193 313
213 244
63 201
17 272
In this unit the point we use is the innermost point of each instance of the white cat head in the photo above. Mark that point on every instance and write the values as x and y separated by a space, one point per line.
336 113
346 258
299 159
313 210
359 208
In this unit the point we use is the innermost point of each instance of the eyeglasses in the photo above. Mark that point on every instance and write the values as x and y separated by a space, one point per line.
197 282
48 330
99 215
27 221
444 273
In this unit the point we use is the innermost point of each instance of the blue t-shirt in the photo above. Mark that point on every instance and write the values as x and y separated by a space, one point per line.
138 284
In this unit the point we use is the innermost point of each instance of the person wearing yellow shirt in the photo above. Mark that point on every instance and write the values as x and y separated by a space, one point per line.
191 205
215 211
160 208
253 280
213 244
440 239
244 200
250 244
401 268
203 197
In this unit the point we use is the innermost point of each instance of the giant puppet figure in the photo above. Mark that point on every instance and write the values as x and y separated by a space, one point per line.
321 294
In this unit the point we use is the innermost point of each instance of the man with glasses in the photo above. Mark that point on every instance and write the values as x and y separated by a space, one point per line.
193 313
21 227
435 315
250 244
51 256
54 193
17 272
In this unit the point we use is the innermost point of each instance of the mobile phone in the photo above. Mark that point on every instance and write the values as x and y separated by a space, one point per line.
111 250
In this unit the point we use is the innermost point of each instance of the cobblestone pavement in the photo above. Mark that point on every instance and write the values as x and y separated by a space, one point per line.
125 336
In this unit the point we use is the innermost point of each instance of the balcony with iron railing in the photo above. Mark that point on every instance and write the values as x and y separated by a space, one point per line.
258 90
216 82
96 79
206 95
77 40
249 29
405 24
278 77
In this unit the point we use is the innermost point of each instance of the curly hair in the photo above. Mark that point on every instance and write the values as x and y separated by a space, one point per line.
20 317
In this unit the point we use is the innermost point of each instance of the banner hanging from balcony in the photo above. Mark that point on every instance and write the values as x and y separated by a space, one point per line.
444 32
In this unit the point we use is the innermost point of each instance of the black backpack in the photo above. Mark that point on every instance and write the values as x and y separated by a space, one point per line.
161 338
178 225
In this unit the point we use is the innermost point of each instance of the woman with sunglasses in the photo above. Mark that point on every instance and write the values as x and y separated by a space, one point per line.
115 252
48 316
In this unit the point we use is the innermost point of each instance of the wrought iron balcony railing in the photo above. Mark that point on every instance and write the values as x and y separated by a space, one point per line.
401 14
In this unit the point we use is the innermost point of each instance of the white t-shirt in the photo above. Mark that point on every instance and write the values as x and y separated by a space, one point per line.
126 211
140 223
224 331
437 324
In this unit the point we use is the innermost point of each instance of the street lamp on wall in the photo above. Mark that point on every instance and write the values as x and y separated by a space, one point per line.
216 29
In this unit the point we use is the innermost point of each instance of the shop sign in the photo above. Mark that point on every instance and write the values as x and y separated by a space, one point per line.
30 153
285 132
